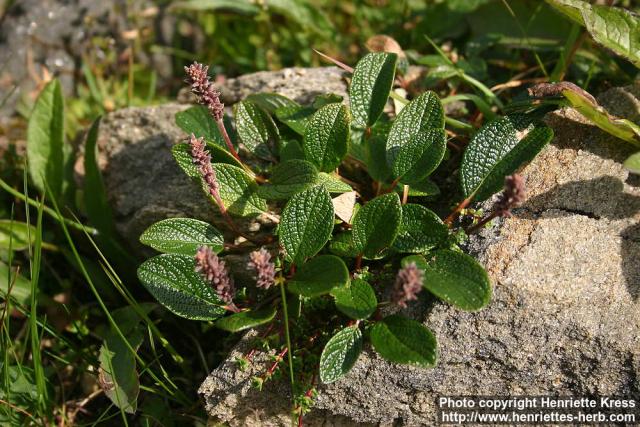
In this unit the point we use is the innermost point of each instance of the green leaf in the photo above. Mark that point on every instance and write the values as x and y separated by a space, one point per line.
454 277
402 340
238 191
289 178
19 233
357 300
421 230
340 354
173 281
95 196
246 319
296 118
198 121
498 150
633 163
46 152
332 183
182 236
256 129
21 290
326 99
271 102
614 28
342 245
290 149
426 188
376 159
237 6
306 223
319 276
326 137
370 86
376 224
417 141
182 154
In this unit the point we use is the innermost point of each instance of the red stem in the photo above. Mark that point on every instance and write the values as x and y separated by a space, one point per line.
227 140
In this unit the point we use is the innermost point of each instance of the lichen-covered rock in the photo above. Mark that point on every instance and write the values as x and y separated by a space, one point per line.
565 314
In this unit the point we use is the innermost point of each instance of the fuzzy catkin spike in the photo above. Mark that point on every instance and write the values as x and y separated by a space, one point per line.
407 285
513 196
201 86
214 271
265 269
202 159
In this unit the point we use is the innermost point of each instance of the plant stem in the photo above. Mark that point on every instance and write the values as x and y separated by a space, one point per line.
227 140
453 215
285 313
482 222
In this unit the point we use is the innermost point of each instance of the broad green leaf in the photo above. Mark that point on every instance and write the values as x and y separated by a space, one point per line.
182 154
256 129
198 121
21 290
342 245
297 118
357 300
182 236
417 141
376 159
46 152
332 183
319 276
246 319
376 224
498 150
95 196
340 354
238 191
426 188
402 340
289 178
454 277
173 281
21 390
614 28
305 15
326 99
16 232
370 86
290 150
270 102
421 230
633 163
306 224
326 137
237 6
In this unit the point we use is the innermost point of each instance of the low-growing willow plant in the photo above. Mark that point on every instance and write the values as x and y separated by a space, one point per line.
350 184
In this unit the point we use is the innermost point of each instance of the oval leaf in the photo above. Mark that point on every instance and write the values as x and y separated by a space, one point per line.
370 86
295 117
455 278
421 230
306 224
498 150
182 154
332 183
246 319
340 354
326 137
633 163
182 236
319 276
198 121
19 234
271 102
173 281
289 178
402 340
420 156
238 191
376 224
357 300
256 129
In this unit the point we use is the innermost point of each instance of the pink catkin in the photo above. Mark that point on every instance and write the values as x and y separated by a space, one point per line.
201 86
407 285
513 196
265 269
214 271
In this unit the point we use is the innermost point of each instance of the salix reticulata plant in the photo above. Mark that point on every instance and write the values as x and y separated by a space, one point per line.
354 239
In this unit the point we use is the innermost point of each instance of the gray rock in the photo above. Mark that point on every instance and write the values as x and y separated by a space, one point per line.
565 314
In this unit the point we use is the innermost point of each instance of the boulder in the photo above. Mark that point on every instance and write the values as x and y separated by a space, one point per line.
565 314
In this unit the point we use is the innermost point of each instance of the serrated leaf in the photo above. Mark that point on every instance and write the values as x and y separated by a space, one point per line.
420 156
246 319
340 354
238 191
614 28
454 277
421 115
370 86
402 340
182 154
296 118
182 236
319 276
332 183
498 150
306 224
46 151
198 121
421 230
19 234
256 129
95 197
357 300
326 137
289 178
175 284
633 163
376 224
270 102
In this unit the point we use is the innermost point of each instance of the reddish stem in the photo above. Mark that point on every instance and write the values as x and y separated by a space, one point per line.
453 215
227 140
